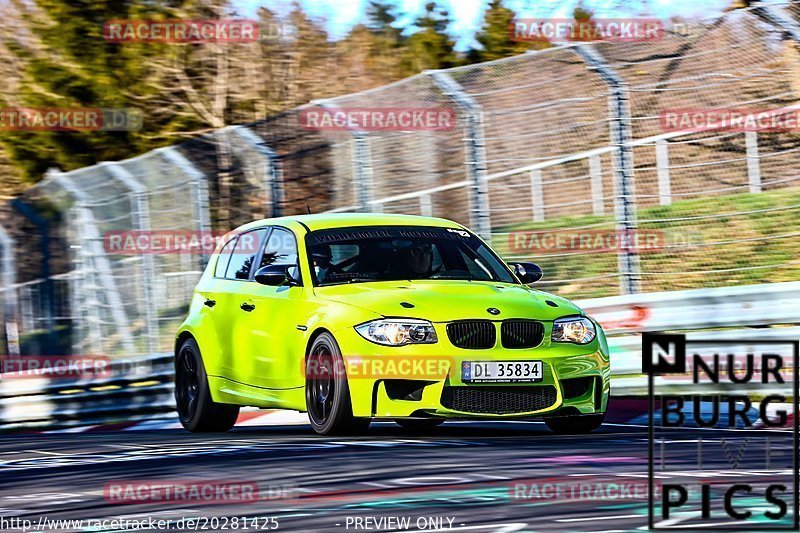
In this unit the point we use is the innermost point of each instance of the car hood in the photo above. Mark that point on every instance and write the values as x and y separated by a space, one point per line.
443 301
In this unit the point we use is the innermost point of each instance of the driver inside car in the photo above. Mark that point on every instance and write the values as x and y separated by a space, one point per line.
419 259
321 255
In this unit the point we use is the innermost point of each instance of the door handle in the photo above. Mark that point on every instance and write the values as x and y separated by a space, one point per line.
247 307
210 303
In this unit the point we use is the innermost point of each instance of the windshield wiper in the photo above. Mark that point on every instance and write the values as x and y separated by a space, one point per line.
347 281
462 278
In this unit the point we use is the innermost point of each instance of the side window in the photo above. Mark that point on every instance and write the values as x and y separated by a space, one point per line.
223 258
281 249
244 254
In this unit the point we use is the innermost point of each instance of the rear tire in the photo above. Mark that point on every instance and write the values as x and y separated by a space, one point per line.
420 425
330 411
196 410
575 425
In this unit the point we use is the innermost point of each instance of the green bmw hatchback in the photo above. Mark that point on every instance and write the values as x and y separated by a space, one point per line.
357 317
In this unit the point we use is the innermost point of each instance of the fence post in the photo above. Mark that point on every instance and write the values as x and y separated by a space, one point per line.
362 165
426 205
596 177
537 195
753 161
200 200
48 291
480 218
775 14
362 171
273 180
85 289
662 171
625 195
141 219
10 301
92 247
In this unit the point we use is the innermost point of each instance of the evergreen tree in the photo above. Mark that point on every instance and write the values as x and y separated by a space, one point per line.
64 61
496 36
374 53
381 21
389 43
430 47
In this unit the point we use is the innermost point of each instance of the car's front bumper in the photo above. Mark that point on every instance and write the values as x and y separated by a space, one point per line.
575 381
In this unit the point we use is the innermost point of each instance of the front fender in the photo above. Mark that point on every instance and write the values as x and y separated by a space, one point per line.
200 325
335 317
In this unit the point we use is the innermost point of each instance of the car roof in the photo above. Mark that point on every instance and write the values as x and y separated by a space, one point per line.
344 220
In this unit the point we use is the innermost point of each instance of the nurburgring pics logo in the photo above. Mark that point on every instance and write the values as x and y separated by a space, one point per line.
181 31
728 385
732 120
70 119
599 29
378 118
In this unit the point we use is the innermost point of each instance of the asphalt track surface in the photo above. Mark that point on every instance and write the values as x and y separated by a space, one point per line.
464 474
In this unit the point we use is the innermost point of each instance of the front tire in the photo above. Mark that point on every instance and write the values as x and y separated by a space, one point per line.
327 392
196 410
575 425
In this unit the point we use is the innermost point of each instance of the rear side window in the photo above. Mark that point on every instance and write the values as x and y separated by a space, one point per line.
244 254
223 258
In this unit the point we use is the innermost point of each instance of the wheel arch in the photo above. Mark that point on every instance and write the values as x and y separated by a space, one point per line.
311 338
182 337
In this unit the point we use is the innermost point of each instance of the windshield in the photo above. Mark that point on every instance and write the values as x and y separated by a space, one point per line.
389 253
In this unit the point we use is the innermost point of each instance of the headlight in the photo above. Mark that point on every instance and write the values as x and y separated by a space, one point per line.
577 329
398 331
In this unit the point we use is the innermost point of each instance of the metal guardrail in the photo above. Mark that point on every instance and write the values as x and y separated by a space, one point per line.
701 313
136 388
141 388
696 309
626 355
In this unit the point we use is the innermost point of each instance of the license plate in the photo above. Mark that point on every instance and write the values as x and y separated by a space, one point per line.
492 371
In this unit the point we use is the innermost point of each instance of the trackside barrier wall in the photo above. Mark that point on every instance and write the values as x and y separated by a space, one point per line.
141 388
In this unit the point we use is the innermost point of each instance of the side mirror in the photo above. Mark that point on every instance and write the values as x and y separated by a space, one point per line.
527 272
275 275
